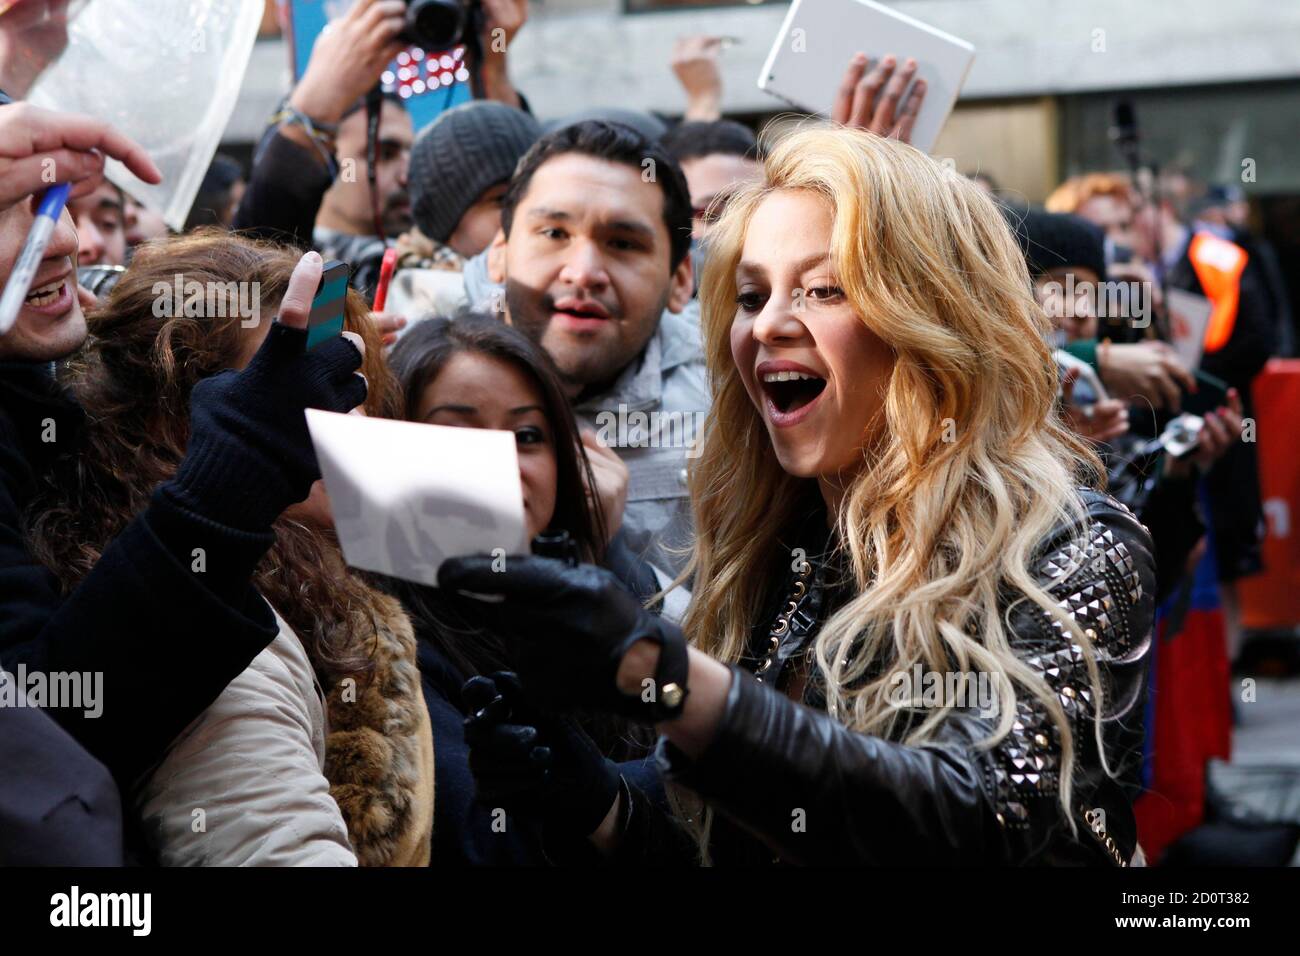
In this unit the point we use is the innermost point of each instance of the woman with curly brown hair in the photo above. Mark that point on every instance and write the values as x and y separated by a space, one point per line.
261 777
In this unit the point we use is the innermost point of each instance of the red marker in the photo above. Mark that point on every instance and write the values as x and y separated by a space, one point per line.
385 274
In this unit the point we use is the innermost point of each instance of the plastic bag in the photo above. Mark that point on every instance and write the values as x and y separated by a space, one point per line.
166 73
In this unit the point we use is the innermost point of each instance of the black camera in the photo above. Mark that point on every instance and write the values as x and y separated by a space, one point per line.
437 24
558 545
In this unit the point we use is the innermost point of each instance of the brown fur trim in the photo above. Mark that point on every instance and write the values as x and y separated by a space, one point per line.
379 752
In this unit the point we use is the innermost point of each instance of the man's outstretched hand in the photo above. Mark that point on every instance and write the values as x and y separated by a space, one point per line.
695 64
39 148
348 57
872 99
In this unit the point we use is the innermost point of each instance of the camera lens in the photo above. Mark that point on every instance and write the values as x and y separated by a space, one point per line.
434 24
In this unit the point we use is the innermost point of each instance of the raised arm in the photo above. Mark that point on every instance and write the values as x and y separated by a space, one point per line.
294 169
763 758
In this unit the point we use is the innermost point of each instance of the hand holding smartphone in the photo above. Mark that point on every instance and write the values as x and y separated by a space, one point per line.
1211 393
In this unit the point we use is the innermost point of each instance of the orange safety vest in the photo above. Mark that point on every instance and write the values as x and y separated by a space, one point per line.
1219 265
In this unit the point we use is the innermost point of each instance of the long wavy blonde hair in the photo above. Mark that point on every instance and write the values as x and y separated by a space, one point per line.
968 466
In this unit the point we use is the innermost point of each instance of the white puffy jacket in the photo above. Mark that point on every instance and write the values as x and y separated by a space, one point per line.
243 785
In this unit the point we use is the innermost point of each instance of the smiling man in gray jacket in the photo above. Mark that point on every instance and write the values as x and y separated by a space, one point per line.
593 262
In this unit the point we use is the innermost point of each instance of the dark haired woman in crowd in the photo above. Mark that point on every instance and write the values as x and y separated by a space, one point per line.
273 772
546 791
914 637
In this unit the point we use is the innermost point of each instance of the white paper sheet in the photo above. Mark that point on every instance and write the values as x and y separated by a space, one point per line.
407 496
1189 314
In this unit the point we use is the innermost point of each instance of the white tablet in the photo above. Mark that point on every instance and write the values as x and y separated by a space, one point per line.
819 37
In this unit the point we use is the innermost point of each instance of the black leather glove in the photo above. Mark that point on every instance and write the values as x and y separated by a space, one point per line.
568 628
250 455
536 767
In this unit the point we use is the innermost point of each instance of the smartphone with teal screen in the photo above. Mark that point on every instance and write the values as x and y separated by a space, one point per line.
326 318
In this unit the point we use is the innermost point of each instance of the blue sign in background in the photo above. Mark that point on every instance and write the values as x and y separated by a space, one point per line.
428 81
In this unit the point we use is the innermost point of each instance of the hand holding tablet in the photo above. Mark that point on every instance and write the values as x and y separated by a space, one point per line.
908 96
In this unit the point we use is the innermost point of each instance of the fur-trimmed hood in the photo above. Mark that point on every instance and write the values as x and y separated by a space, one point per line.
379 751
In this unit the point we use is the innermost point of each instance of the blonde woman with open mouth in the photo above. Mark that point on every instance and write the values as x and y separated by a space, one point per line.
916 635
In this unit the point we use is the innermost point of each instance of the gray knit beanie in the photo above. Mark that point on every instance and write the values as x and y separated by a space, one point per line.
462 153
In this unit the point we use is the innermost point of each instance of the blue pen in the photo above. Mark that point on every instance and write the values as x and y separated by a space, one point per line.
29 260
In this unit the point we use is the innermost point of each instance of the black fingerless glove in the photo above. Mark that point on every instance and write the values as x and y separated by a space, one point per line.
534 766
250 455
568 628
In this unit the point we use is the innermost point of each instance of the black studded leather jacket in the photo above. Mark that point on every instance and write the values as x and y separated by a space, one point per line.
815 792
